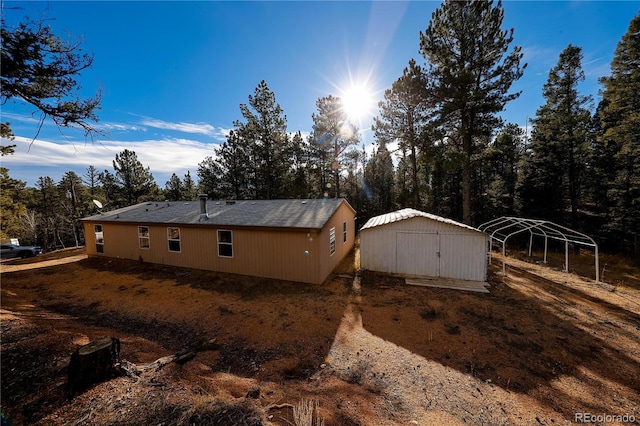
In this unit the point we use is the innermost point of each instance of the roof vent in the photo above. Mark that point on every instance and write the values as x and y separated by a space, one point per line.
203 207
303 202
230 203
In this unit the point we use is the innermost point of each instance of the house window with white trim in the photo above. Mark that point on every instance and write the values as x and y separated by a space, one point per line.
332 241
344 232
143 237
225 243
97 230
173 235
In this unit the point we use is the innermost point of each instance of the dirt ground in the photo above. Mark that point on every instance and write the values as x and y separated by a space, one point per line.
542 348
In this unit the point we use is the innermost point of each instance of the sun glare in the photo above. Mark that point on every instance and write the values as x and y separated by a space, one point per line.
358 102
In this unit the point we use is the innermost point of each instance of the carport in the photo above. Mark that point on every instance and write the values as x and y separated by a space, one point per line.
501 229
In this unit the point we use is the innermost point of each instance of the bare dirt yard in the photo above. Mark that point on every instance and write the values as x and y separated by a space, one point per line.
544 347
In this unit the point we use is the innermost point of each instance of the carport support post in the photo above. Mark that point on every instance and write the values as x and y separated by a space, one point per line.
530 241
545 250
566 255
504 258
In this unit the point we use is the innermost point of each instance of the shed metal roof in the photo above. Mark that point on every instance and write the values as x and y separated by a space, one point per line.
309 214
409 213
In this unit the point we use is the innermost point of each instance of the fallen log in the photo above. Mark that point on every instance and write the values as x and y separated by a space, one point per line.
179 358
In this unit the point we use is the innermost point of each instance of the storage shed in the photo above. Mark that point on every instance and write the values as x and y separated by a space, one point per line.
414 243
294 240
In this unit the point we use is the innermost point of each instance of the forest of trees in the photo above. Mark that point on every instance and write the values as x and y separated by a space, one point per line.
452 154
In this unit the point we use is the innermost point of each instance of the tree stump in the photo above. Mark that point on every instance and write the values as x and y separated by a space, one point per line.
93 362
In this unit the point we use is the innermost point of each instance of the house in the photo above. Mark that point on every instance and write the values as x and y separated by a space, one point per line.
295 240
414 243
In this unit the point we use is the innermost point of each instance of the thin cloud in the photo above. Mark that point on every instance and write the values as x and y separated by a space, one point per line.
20 118
121 127
199 128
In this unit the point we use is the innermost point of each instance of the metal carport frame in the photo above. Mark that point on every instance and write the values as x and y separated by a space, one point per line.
502 228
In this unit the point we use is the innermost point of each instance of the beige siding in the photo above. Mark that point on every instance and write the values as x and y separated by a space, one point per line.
328 262
287 254
421 246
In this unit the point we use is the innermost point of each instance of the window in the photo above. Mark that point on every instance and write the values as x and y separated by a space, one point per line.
97 230
173 235
332 241
143 237
225 244
344 232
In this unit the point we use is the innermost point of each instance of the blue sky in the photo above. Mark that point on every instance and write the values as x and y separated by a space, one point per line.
173 74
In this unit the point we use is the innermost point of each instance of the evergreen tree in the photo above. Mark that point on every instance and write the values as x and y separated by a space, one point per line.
559 145
404 115
265 135
189 188
379 176
91 180
298 178
47 206
500 172
353 185
471 74
620 122
41 69
136 183
333 137
210 178
13 207
73 206
110 189
233 157
173 188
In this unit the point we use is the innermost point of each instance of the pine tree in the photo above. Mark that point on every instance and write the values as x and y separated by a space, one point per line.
404 115
46 207
472 74
173 188
110 189
73 205
333 137
41 68
297 182
189 188
136 183
265 136
234 160
91 180
379 178
500 172
620 121
559 145
210 178
13 208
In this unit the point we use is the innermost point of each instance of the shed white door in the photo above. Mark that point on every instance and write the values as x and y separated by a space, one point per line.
461 257
418 253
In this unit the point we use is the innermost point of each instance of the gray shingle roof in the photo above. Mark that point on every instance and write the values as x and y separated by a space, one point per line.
408 214
312 214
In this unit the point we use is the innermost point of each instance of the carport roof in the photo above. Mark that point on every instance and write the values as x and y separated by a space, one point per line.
502 228
409 213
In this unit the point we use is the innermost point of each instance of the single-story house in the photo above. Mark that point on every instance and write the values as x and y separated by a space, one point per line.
294 240
414 243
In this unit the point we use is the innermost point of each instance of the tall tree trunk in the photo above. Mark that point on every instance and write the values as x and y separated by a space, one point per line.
467 140
414 176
